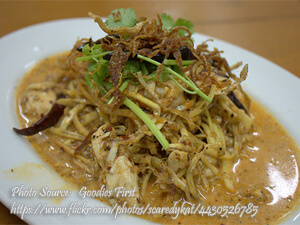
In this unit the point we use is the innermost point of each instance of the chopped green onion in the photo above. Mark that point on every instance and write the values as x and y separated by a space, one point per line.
172 62
143 116
186 81
186 90
122 88
130 104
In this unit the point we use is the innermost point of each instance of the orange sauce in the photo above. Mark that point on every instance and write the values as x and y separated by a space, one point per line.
268 166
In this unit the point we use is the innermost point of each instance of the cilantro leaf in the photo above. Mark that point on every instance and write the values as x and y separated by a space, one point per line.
96 49
89 82
99 76
121 18
167 21
169 24
131 67
186 23
164 76
86 49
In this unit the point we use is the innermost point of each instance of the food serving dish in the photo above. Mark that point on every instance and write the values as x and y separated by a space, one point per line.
275 88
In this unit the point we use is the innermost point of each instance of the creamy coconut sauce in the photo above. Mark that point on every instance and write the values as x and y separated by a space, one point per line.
266 174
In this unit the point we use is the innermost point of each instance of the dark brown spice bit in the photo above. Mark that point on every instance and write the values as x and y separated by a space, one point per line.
117 16
84 142
236 101
116 64
45 122
186 54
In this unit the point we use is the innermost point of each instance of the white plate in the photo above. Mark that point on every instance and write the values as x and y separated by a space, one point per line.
277 89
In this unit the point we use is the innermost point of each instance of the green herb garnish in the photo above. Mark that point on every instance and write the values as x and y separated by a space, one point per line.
121 18
99 75
183 78
172 62
143 116
168 23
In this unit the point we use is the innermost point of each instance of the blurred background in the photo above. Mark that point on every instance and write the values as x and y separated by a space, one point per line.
267 28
